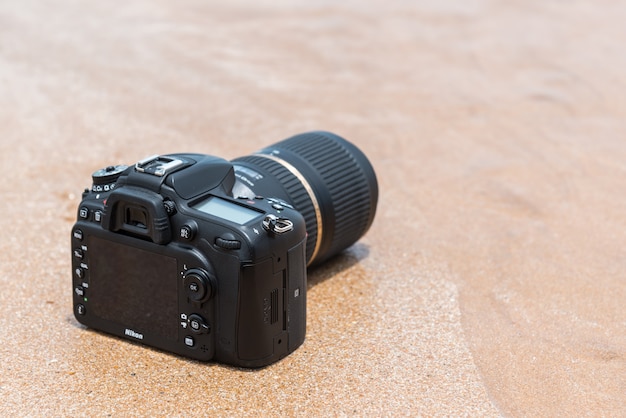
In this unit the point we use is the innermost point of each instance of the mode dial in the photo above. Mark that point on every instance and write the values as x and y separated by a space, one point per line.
104 179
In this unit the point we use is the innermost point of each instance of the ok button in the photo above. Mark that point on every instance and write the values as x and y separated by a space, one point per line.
197 285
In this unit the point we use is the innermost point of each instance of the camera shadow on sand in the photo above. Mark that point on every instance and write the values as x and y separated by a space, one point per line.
337 264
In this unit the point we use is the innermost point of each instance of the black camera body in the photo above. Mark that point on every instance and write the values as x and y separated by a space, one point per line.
166 255
207 258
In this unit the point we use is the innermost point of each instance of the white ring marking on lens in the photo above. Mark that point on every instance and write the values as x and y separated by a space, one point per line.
318 214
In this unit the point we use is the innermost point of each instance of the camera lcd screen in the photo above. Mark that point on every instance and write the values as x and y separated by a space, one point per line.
134 288
227 210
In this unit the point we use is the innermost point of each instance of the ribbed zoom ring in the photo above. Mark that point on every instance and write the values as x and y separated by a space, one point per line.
294 192
330 182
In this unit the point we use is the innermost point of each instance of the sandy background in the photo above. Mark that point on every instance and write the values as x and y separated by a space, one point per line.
493 279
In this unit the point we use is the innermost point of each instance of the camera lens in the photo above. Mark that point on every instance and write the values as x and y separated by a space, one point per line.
326 178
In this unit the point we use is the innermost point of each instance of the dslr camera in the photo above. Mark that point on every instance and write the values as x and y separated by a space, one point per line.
207 258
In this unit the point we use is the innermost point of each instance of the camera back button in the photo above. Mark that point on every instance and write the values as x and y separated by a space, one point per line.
198 325
79 273
188 231
83 213
80 309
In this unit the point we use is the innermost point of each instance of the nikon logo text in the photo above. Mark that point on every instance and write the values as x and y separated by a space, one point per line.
133 334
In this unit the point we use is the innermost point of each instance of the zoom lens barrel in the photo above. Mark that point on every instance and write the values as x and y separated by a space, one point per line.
326 178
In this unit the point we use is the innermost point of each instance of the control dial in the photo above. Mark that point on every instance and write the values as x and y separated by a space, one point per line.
104 179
